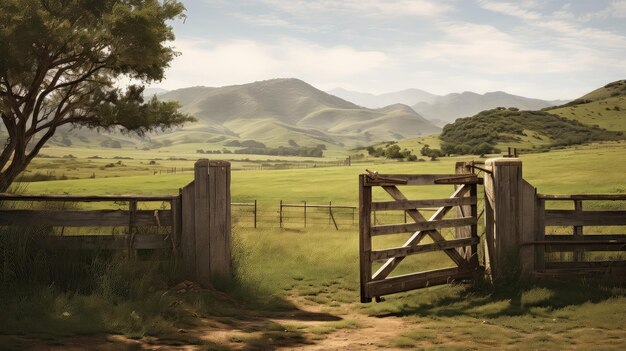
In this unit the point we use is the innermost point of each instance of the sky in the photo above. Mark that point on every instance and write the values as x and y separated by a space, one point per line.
548 49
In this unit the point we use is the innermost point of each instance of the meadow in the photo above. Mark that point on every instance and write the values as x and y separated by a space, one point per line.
299 287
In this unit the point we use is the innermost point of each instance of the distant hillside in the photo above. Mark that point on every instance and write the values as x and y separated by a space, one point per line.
491 129
407 97
293 109
452 106
604 107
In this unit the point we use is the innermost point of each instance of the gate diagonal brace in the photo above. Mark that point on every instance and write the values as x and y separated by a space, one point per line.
435 235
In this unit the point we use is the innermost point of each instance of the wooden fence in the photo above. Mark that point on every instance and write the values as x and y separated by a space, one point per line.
516 222
196 226
579 242
140 229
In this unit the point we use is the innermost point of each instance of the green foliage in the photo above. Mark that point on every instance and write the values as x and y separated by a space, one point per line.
391 151
480 134
432 153
60 65
282 151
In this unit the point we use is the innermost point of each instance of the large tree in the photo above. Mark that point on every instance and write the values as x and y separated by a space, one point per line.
61 62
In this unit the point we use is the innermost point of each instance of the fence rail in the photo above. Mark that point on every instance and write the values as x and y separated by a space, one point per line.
143 229
579 242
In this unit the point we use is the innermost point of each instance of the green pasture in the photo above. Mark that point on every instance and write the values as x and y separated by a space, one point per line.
596 168
318 266
608 113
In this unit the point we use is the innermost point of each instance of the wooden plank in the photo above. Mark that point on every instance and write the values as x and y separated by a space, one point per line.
84 198
584 218
488 246
416 281
586 237
175 235
219 223
584 245
583 197
588 264
472 253
466 179
106 242
529 202
188 230
578 231
540 233
561 243
413 250
365 239
463 211
202 222
95 218
392 263
410 179
422 226
415 204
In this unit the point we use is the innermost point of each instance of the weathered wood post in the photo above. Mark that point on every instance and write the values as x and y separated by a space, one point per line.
206 222
510 210
220 242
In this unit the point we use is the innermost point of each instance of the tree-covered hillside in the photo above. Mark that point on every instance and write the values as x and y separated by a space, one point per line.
486 131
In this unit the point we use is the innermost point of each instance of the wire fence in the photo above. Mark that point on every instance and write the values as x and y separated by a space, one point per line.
309 215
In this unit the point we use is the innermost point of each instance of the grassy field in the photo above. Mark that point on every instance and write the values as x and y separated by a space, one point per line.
608 113
299 287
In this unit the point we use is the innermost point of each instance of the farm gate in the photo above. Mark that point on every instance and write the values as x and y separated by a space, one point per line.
515 220
462 250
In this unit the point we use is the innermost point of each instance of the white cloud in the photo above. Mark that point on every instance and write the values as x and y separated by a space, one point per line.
395 8
484 49
618 9
510 9
242 61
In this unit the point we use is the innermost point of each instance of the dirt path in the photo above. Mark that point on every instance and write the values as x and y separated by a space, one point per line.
372 333
309 328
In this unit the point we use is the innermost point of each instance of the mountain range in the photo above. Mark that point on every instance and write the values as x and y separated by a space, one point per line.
408 97
443 109
278 110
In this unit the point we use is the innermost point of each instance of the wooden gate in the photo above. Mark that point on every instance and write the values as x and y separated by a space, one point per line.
462 249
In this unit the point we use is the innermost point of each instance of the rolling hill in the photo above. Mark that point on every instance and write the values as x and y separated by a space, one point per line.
452 106
604 107
295 110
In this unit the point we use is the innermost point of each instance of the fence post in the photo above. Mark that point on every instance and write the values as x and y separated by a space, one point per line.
280 214
220 241
330 210
504 187
255 208
305 214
